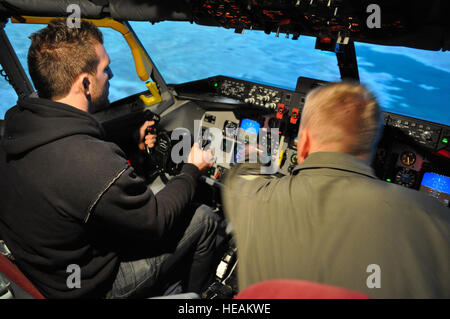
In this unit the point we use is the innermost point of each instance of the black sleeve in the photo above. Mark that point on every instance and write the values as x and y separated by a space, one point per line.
130 209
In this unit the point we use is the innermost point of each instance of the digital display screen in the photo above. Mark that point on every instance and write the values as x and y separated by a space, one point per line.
250 126
248 133
437 186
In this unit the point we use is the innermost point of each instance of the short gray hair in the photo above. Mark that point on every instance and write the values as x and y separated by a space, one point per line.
343 114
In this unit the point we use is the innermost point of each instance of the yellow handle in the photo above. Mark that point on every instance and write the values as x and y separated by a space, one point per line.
155 96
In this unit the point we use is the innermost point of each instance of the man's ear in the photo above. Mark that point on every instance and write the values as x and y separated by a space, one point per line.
82 84
303 145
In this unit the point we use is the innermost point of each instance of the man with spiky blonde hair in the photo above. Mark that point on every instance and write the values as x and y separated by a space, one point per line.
333 221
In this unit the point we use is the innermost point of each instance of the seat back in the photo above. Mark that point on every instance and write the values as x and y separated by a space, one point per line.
296 289
10 270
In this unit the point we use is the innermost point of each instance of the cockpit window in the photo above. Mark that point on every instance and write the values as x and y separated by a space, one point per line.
406 81
124 83
18 36
187 52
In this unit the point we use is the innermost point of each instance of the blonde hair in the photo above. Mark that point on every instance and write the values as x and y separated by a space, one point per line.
344 115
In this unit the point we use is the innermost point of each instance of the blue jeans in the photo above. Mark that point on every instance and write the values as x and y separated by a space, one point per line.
188 256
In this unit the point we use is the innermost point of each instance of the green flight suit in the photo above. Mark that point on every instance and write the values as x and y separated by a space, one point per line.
331 222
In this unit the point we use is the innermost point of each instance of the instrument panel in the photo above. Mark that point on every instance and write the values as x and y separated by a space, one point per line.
231 139
409 149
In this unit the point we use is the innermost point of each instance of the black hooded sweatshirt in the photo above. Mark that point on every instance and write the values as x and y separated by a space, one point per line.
67 197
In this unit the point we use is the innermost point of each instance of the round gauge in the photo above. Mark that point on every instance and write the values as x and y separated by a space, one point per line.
406 177
408 158
294 158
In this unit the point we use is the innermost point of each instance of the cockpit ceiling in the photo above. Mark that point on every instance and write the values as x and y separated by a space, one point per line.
413 23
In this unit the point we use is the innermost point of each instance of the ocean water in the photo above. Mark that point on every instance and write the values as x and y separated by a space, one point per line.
406 81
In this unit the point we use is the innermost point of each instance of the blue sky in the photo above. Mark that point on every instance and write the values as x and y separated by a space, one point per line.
406 81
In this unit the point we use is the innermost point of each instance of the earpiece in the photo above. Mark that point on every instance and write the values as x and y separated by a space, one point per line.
86 84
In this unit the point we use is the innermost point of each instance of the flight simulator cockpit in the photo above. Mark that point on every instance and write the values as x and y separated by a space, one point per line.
228 114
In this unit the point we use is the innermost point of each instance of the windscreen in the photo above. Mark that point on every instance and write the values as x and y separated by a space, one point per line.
406 81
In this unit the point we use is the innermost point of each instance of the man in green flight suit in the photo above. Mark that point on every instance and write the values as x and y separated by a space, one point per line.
333 221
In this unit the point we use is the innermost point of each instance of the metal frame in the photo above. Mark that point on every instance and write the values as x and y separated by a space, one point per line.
348 65
12 67
345 55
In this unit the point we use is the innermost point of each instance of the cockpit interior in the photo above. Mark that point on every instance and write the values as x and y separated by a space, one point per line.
412 152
